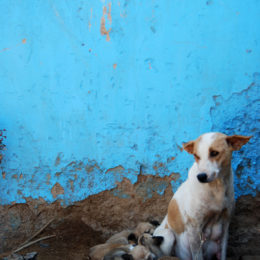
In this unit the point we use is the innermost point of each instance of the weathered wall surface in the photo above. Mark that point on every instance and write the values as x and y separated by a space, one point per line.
96 91
98 96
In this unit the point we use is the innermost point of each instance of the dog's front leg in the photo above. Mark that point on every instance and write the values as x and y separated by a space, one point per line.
196 244
224 241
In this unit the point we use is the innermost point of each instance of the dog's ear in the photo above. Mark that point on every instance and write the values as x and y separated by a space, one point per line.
158 240
237 141
189 147
141 241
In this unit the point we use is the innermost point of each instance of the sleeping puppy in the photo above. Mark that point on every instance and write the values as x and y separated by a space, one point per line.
126 237
140 252
145 227
120 245
152 243
120 252
98 252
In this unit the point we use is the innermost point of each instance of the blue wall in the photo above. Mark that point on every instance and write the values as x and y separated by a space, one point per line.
90 91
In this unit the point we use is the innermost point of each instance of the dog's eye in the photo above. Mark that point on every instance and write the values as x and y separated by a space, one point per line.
196 157
213 153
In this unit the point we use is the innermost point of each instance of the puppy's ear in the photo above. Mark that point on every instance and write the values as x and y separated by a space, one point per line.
127 257
141 241
158 240
237 141
155 223
132 237
189 147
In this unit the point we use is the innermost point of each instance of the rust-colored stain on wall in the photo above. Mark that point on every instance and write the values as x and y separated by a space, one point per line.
56 190
48 179
6 49
58 158
71 185
115 169
103 29
15 176
89 22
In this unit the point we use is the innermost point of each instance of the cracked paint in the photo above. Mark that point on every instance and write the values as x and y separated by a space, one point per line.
83 116
56 190
239 114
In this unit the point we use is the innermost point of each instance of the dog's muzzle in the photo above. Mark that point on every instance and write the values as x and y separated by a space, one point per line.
202 177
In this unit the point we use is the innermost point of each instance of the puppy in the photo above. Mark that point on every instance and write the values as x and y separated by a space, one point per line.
152 243
198 217
124 237
118 254
145 227
140 252
123 252
131 236
98 252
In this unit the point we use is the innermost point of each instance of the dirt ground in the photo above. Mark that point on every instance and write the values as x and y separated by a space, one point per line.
90 222
72 241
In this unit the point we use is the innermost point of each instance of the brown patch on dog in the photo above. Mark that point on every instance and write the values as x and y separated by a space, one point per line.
189 147
174 217
192 147
237 141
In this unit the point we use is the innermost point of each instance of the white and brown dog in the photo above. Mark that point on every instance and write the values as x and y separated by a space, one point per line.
196 225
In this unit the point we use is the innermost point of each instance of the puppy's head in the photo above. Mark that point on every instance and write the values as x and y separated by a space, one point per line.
144 227
212 153
132 239
148 240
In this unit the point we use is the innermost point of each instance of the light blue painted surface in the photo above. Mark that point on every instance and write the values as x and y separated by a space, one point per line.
182 68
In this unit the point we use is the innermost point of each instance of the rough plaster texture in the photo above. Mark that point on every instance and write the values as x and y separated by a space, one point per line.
97 98
96 91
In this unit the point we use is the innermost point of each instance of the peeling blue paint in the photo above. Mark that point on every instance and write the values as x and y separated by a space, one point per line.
76 105
240 113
